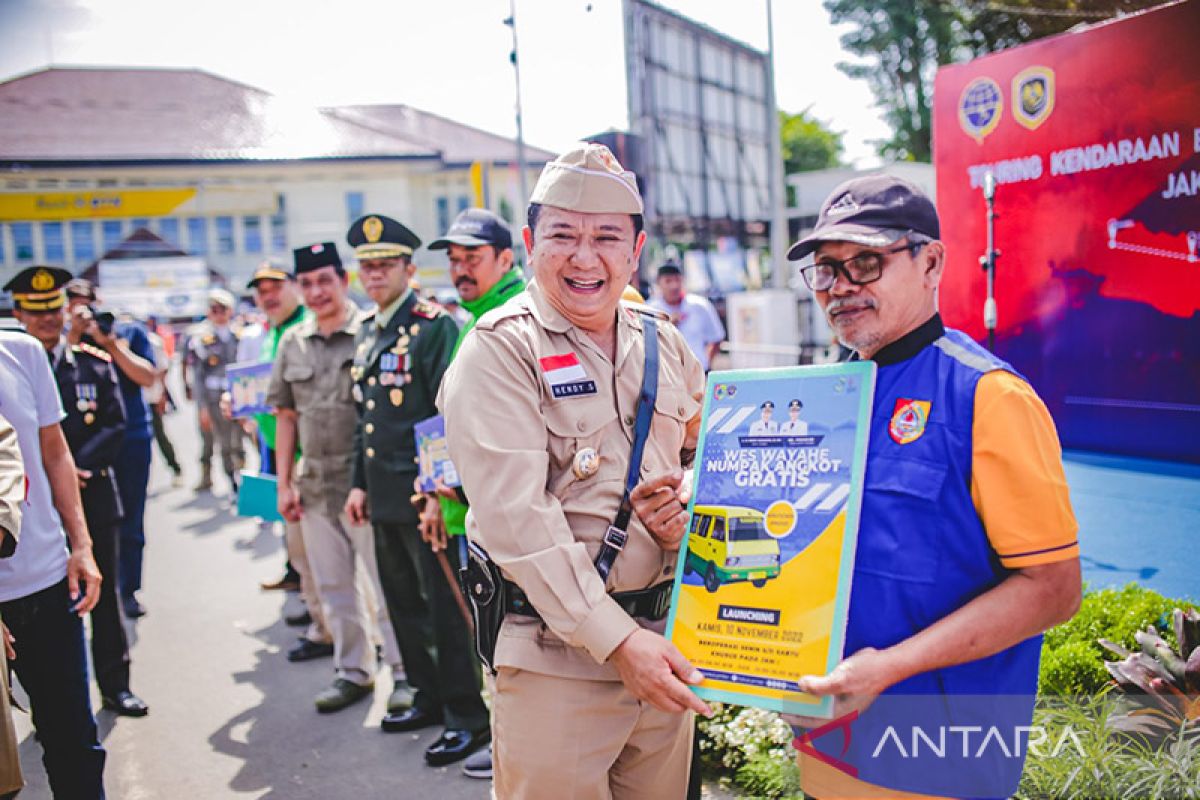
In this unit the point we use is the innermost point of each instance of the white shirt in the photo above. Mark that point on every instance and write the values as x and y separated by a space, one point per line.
797 428
29 400
759 427
697 320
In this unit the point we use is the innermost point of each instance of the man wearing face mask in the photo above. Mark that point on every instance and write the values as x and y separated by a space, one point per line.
213 346
543 408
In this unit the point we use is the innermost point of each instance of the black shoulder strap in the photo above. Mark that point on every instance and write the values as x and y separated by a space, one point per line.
615 537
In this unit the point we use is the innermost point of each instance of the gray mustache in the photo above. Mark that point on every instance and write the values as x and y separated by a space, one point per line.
838 305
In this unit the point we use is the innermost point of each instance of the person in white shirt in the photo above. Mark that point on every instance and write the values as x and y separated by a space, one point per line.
764 425
46 589
692 314
794 425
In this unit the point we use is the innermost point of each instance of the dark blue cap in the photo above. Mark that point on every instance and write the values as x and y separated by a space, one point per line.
874 210
476 227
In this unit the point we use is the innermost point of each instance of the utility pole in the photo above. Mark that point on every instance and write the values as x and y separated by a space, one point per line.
523 200
779 229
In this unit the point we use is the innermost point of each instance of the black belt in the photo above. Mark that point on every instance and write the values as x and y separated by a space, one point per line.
651 604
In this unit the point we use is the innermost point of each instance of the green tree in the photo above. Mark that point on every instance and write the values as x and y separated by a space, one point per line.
903 42
808 143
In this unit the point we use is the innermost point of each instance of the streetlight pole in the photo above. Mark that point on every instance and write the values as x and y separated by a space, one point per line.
779 230
516 62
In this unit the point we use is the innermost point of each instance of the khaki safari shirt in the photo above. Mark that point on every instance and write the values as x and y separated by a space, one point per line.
311 375
514 444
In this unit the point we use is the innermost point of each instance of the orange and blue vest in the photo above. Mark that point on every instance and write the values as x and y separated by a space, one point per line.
922 553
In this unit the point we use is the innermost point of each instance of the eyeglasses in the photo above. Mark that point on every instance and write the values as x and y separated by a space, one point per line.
860 270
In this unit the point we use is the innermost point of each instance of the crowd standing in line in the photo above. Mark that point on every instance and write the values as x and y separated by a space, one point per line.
572 416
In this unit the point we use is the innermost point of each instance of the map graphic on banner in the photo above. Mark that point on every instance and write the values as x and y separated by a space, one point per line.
763 588
1093 138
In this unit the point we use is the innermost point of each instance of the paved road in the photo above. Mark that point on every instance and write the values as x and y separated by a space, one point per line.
230 717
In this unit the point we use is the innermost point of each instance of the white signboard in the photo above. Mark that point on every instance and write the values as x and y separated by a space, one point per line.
163 287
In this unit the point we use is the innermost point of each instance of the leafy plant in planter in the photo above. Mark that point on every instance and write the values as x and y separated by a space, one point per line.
1161 686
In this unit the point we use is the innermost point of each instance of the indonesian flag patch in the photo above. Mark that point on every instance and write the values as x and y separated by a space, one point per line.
565 376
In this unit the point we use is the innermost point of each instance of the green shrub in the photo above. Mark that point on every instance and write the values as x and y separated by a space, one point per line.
764 776
1072 662
1099 763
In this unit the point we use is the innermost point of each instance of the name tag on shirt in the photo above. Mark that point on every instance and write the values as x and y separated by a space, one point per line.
566 377
214 382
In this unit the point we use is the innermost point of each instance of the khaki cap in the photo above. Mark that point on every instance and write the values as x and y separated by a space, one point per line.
588 178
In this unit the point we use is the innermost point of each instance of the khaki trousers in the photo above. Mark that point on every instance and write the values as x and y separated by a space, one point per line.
558 738
293 541
10 766
341 557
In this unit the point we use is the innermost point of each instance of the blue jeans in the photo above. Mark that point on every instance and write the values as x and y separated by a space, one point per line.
51 664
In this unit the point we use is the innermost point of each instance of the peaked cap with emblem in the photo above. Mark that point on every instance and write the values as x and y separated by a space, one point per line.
588 178
39 288
377 236
874 211
314 256
270 270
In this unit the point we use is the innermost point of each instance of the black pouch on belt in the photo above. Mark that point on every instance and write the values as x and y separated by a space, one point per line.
486 593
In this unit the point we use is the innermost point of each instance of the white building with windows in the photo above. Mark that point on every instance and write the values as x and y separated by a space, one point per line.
227 171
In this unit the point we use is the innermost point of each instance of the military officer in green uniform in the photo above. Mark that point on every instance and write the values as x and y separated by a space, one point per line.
401 353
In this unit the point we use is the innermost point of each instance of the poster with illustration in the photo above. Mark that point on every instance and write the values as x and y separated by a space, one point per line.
763 588
433 455
248 383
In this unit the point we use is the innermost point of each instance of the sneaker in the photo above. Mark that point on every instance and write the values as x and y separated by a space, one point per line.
204 485
479 764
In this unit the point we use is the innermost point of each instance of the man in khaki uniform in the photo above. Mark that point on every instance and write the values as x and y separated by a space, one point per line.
311 394
540 405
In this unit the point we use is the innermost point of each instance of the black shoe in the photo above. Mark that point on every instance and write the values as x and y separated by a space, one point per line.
307 650
410 719
133 607
455 745
297 620
126 704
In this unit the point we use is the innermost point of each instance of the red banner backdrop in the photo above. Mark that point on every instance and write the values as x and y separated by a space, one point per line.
1094 140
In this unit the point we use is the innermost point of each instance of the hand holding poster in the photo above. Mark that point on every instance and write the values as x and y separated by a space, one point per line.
248 383
764 585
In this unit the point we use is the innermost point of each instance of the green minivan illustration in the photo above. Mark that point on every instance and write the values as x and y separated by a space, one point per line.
727 544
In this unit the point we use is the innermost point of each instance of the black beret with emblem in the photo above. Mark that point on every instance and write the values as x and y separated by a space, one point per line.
39 288
377 236
314 256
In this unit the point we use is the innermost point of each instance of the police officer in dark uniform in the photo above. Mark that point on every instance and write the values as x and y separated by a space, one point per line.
94 428
401 353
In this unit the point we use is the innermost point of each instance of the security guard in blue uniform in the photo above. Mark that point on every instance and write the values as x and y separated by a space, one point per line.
94 427
402 351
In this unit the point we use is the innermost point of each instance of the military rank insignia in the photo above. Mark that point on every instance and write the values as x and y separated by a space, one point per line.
908 420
